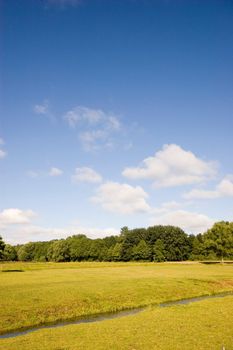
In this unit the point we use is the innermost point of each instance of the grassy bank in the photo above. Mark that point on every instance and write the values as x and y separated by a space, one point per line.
205 325
50 292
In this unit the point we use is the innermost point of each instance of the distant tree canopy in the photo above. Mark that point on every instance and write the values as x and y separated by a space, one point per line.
156 243
10 253
216 243
2 247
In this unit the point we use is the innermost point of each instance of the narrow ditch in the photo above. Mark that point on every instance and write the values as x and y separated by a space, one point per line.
110 315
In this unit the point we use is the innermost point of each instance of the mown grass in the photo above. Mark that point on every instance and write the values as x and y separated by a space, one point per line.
205 325
50 292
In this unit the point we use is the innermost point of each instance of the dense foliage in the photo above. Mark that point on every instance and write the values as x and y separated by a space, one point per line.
2 248
216 243
156 243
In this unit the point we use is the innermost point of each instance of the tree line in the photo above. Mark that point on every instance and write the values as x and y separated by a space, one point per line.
156 243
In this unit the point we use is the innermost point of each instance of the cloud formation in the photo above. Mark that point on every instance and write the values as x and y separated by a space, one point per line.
191 222
121 198
55 172
15 216
18 228
52 172
167 206
172 166
44 109
32 233
223 189
85 174
2 153
95 127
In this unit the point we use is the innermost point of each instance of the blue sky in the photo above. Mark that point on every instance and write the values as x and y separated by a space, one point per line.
114 113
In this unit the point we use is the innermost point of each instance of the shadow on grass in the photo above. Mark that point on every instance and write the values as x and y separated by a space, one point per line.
12 270
216 262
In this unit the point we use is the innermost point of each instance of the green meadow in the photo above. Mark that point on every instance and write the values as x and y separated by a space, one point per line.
33 294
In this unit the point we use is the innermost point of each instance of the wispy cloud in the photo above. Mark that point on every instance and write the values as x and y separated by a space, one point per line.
55 172
96 128
52 172
3 153
172 166
44 110
95 139
223 189
86 174
167 206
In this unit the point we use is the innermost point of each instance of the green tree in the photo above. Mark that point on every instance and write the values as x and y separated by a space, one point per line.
129 239
116 252
79 246
124 231
26 252
98 250
2 246
141 251
176 243
59 251
10 253
218 241
110 241
159 251
197 252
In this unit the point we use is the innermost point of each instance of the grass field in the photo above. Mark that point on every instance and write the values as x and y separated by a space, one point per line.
49 292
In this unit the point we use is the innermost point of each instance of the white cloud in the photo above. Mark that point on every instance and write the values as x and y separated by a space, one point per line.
121 198
18 228
14 216
85 174
44 109
93 140
223 189
2 154
165 207
94 232
201 194
95 127
84 115
172 166
190 222
32 233
55 172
